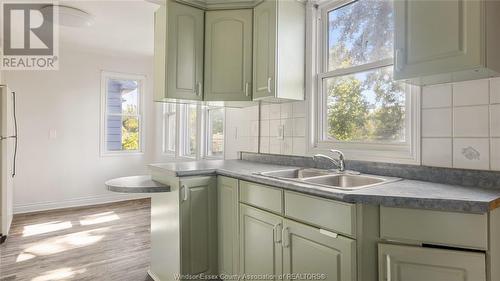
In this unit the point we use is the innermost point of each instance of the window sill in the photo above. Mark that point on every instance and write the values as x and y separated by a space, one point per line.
120 154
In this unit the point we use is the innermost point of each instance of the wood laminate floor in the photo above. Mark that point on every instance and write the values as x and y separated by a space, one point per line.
103 242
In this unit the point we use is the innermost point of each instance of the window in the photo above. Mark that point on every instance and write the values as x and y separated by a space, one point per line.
121 113
215 132
360 106
169 127
193 131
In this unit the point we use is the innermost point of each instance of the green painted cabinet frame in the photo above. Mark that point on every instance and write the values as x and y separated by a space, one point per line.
228 228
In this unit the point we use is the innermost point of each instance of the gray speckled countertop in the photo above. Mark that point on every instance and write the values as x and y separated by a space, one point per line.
405 193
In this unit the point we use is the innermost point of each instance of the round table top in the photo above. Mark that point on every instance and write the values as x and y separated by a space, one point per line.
136 184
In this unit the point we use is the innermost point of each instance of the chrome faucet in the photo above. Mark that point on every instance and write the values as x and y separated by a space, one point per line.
340 163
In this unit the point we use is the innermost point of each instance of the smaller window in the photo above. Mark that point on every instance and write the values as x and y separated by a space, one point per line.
169 127
122 113
215 132
189 130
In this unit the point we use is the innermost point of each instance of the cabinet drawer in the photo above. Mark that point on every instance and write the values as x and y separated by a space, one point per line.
405 263
434 227
336 216
262 196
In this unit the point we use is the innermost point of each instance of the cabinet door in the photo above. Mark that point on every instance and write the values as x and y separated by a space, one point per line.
426 44
264 59
228 55
184 52
227 220
310 250
405 263
198 198
260 242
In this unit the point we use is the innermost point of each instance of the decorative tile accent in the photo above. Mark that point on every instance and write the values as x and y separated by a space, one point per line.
475 92
495 120
437 152
471 153
471 121
437 96
495 90
436 122
495 154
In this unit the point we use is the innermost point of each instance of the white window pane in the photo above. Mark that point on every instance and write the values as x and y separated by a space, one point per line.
216 132
171 133
122 115
192 130
360 32
366 107
122 96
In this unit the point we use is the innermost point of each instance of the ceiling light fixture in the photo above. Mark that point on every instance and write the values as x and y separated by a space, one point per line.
72 17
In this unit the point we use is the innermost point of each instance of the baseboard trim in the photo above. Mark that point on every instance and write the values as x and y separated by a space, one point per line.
79 202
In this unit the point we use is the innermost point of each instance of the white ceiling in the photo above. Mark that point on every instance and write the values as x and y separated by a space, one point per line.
120 26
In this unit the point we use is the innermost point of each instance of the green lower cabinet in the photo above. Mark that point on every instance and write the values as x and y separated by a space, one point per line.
198 197
260 243
409 263
309 250
227 219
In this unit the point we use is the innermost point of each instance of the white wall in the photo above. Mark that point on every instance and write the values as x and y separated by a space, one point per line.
68 170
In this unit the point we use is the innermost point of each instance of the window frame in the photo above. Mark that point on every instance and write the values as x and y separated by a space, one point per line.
208 133
166 114
317 62
141 79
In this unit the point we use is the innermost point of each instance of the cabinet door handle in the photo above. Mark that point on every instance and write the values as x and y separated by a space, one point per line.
185 193
269 84
198 89
277 233
247 89
397 59
285 237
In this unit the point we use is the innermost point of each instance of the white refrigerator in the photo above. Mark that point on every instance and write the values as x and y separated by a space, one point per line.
8 151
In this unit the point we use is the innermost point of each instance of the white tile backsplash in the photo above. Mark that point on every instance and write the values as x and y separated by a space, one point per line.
287 127
475 92
436 96
287 146
264 128
299 127
274 128
299 109
471 153
274 145
437 122
495 120
495 90
299 146
437 152
471 121
274 111
495 154
286 110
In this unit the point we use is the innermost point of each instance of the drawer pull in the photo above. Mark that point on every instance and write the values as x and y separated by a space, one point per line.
328 233
277 231
286 237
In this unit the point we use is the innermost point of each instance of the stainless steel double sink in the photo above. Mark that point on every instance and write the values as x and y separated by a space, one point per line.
331 179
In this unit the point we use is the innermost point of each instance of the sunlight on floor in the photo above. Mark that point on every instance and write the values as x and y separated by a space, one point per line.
62 243
58 274
99 218
42 228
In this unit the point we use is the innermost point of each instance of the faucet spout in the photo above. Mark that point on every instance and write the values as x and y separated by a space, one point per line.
340 163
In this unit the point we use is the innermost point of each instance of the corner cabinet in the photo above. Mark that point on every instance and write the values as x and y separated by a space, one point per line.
198 225
178 54
279 50
430 50
228 55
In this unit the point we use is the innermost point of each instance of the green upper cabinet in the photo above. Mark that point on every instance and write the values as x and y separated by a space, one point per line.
228 55
279 50
310 250
446 41
198 212
179 36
